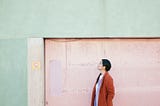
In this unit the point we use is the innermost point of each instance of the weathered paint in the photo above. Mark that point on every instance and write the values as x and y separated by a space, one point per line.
35 72
135 70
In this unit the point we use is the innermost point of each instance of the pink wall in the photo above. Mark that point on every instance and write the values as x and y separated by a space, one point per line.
71 70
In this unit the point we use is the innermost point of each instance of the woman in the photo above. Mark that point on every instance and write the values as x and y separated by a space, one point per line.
103 91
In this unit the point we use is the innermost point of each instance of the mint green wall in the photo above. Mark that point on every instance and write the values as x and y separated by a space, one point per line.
20 19
79 18
13 72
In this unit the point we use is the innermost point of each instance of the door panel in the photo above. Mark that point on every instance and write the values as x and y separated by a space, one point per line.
71 70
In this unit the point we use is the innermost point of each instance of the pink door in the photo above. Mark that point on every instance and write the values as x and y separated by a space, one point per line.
71 70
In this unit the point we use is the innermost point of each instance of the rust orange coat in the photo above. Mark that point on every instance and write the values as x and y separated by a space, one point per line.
106 93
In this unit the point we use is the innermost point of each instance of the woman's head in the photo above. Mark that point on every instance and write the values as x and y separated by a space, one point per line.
104 64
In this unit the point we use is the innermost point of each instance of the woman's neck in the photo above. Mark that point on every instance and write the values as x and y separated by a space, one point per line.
103 72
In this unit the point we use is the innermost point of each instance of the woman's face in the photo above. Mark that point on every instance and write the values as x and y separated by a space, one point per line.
100 66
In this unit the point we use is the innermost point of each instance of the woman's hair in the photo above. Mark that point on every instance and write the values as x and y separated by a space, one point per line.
107 64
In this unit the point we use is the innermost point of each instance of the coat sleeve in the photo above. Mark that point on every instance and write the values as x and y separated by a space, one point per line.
110 91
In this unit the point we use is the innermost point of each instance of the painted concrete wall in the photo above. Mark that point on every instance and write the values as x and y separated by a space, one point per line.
83 18
35 72
71 70
13 72
20 19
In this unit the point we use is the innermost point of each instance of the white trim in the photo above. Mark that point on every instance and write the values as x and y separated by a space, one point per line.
35 75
